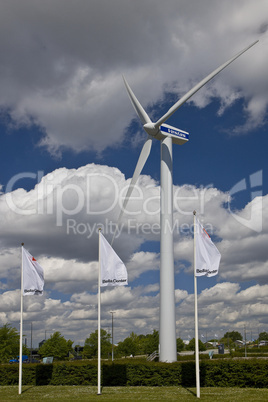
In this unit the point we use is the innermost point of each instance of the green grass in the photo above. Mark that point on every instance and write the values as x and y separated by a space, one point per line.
85 393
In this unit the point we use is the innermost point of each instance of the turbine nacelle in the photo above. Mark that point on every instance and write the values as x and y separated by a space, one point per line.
178 136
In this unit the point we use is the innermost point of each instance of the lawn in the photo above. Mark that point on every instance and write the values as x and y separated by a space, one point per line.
85 393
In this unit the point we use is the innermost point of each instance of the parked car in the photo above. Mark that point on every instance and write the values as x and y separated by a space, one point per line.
25 359
263 343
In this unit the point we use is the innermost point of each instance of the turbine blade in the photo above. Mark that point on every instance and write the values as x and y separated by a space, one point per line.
145 152
136 104
188 95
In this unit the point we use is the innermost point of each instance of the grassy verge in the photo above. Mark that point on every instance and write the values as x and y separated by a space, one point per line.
85 393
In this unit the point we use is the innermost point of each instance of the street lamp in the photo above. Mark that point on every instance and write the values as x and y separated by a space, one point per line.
245 337
31 356
112 312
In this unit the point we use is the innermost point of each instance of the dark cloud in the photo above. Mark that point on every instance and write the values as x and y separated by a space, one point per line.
61 66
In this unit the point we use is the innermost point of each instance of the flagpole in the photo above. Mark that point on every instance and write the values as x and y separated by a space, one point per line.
21 320
99 319
197 373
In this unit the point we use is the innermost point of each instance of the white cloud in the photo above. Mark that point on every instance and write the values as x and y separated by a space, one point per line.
59 219
70 258
225 307
142 262
180 295
219 293
222 306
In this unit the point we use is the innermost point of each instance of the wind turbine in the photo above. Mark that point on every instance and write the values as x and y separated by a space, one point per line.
167 135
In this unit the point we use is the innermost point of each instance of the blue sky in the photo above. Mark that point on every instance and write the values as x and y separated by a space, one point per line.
66 120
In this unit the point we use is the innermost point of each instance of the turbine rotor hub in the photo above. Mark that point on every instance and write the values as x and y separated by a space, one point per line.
151 129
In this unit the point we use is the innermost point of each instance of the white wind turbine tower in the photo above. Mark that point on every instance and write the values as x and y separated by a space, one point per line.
167 135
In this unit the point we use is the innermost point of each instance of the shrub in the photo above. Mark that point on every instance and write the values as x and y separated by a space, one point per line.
220 373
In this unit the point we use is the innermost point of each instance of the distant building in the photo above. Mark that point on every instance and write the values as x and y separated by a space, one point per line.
41 343
239 343
211 344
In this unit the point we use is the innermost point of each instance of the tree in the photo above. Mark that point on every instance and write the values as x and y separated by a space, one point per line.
228 343
141 340
91 345
56 346
10 343
263 336
233 336
180 345
191 345
127 347
151 342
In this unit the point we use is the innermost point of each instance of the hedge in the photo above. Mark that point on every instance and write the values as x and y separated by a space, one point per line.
217 373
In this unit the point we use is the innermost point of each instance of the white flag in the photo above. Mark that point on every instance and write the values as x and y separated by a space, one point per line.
113 270
33 275
207 255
